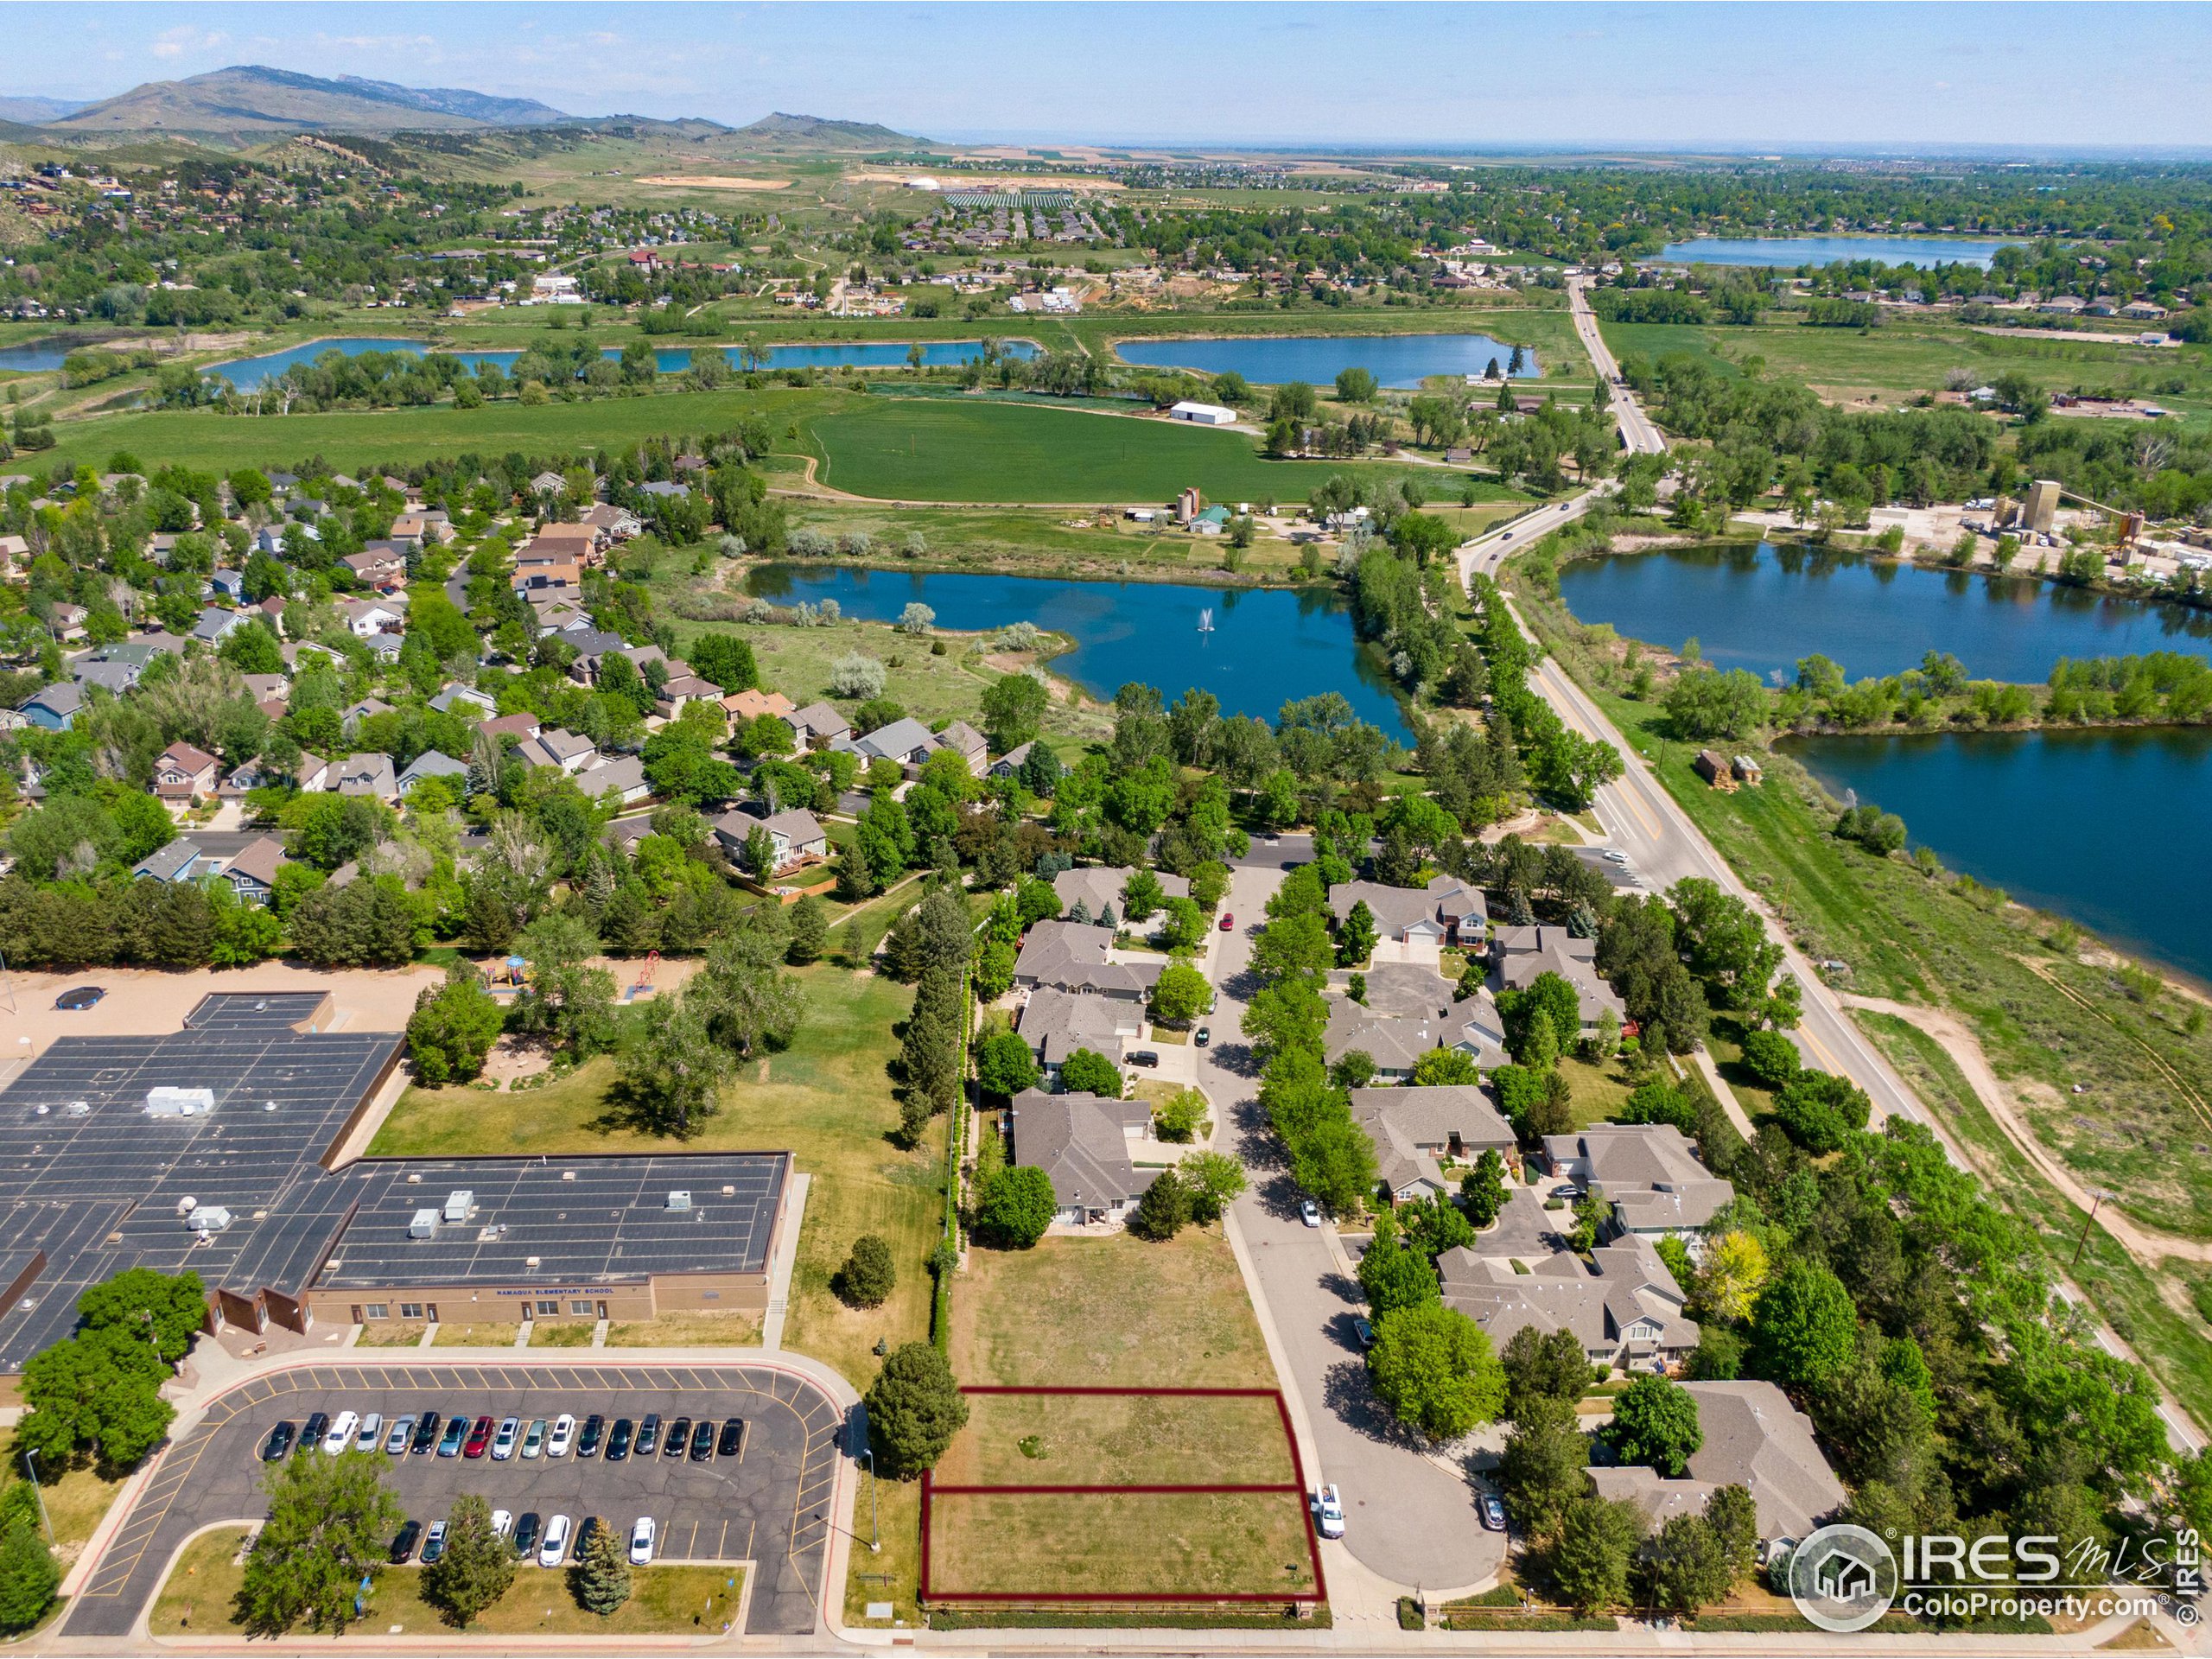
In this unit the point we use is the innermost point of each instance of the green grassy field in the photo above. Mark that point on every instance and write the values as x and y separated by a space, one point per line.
936 450
1903 358
1029 1440
196 1601
1151 1542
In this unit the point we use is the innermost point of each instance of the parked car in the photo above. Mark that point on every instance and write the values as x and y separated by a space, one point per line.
556 1543
732 1443
404 1542
371 1431
1493 1513
641 1542
278 1443
340 1434
703 1440
1362 1331
1145 1057
426 1432
679 1438
311 1431
619 1439
1310 1213
1227 923
434 1545
589 1436
456 1431
648 1433
563 1437
402 1430
533 1443
503 1442
524 1541
479 1439
1202 1036
503 1522
1329 1513
77 999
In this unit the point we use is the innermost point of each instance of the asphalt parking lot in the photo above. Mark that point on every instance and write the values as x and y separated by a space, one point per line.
768 1506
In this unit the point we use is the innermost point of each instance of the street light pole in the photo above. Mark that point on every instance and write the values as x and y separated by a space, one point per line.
875 1544
30 1462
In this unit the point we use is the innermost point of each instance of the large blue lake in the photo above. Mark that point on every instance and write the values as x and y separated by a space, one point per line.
1268 647
2036 814
1393 359
248 373
1787 252
1764 608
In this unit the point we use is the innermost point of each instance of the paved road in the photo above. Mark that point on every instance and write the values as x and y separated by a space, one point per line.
1407 1519
1638 431
764 1506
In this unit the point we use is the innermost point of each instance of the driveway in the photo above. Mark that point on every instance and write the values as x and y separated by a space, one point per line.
1409 1519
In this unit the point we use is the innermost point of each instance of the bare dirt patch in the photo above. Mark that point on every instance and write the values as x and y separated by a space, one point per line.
714 181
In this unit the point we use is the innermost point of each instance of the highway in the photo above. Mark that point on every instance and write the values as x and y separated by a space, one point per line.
1637 433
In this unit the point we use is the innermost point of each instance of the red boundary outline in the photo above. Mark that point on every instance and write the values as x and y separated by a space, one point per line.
1320 1592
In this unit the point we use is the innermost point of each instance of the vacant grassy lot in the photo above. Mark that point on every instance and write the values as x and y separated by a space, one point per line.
1149 1544
664 1601
940 450
1028 1440
1107 1311
1901 358
827 1099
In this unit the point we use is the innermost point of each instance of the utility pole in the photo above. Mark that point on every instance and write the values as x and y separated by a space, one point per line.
2097 1195
30 1462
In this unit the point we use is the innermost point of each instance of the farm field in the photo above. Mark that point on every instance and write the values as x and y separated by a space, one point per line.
919 449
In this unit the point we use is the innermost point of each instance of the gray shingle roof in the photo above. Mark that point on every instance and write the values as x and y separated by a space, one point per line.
1099 885
1070 956
1754 1438
1080 1141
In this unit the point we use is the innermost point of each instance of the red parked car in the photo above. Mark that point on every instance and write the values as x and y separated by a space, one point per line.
1227 923
479 1438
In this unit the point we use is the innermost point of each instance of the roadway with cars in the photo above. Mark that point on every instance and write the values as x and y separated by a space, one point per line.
765 1504
1407 1517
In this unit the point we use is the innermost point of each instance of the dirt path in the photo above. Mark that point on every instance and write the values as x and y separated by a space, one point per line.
2147 1247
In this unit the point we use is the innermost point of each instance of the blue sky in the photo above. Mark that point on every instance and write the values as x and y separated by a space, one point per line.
1864 77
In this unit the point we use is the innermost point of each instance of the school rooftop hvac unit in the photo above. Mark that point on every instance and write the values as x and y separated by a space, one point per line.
208 1218
679 1199
460 1204
179 1103
425 1225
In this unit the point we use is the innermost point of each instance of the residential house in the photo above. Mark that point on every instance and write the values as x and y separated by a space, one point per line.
524 725
548 577
1068 957
52 707
368 618
619 523
1648 1172
183 772
1454 1121
622 774
249 777
226 585
906 742
214 627
1395 1041
366 708
796 835
432 764
461 699
579 544
967 742
664 490
180 860
566 750
680 689
1434 914
750 705
1056 1023
1096 886
252 871
14 554
548 484
1519 955
1011 763
68 622
1751 1437
1624 1307
369 774
1082 1143
315 774
380 565
818 726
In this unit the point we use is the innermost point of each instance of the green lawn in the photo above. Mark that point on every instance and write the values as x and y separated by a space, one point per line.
827 1099
941 450
1149 1542
1030 1439
664 1601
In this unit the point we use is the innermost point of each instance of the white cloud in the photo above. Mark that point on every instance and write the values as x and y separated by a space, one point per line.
175 42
